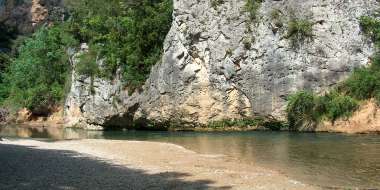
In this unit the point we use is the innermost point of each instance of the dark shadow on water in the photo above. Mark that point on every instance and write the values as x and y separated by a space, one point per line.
28 168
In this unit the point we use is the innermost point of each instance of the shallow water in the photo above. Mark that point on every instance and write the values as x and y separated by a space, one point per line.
328 160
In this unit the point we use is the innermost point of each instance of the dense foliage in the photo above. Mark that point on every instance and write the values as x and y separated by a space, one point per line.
305 109
6 36
128 34
35 79
125 34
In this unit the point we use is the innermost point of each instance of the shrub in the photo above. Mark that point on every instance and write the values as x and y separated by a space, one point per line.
371 27
252 7
300 110
340 106
247 42
305 109
87 64
299 31
362 84
275 14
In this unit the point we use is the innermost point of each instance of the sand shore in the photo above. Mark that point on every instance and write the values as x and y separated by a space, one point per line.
110 164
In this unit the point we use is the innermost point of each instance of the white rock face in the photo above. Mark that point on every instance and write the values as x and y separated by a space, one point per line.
219 64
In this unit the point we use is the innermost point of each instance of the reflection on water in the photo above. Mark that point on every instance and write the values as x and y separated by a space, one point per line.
48 132
321 159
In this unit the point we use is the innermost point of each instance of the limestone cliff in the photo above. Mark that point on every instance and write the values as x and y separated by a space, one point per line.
218 63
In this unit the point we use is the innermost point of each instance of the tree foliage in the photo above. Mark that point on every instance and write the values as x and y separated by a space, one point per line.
35 78
128 34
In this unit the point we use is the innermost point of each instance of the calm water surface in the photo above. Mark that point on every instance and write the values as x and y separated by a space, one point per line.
329 160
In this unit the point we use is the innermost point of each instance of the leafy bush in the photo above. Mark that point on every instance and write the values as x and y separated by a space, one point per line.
371 27
87 64
299 30
362 84
305 109
301 110
36 78
340 106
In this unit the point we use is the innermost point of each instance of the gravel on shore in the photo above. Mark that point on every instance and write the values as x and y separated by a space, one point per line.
111 164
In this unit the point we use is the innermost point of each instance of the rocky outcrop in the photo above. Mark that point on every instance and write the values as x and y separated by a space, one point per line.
27 14
219 64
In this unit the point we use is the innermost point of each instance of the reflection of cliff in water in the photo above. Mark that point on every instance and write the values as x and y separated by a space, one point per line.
48 132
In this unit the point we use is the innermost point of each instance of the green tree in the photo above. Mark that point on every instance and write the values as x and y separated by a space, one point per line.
36 78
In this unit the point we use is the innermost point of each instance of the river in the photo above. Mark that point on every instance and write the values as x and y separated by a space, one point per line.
324 159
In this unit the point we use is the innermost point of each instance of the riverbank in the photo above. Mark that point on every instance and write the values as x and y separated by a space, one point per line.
110 164
363 121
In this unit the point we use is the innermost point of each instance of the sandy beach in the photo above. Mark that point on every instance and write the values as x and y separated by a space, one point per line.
111 164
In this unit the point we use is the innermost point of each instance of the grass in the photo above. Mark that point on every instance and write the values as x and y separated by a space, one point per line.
299 31
252 7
